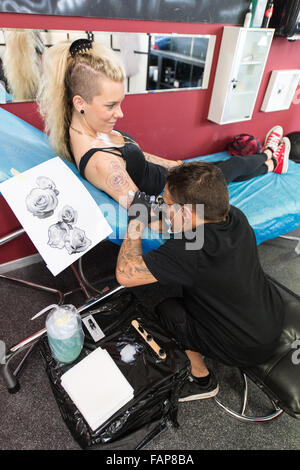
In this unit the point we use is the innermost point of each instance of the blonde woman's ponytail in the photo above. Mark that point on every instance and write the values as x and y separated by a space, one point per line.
52 98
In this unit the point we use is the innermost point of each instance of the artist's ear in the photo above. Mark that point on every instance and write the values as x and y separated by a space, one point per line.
188 219
78 103
187 212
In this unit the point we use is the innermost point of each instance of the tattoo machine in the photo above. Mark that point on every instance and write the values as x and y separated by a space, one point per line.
140 208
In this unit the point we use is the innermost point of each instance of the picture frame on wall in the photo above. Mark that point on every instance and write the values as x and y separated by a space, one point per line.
281 90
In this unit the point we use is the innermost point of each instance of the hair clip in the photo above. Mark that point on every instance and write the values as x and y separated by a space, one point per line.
80 45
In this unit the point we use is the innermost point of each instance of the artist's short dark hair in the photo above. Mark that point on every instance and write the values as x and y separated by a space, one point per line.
200 183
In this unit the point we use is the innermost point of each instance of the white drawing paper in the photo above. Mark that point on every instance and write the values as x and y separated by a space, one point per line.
57 212
97 387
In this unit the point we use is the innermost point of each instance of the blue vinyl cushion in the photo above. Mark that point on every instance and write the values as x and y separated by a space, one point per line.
271 202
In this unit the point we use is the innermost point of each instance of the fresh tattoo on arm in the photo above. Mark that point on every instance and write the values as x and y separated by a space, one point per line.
117 178
118 181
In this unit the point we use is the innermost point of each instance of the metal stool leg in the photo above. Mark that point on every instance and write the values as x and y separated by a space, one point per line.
10 378
289 237
61 296
35 286
242 415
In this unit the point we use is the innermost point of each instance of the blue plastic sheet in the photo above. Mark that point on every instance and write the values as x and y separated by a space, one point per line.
23 146
271 202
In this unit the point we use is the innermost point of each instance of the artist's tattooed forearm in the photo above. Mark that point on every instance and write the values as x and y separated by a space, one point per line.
130 262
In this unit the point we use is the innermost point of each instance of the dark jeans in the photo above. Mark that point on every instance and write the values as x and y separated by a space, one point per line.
180 325
243 168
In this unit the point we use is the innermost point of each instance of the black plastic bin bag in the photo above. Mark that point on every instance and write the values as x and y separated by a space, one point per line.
156 382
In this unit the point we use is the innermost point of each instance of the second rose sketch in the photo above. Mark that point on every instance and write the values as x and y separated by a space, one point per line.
41 202
64 234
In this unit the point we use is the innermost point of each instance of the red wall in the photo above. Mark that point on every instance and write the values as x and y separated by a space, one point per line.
171 124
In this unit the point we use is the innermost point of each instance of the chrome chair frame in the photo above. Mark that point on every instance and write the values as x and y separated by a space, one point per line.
277 411
242 415
290 237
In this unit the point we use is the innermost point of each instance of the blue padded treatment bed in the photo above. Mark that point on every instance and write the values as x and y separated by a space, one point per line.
271 202
23 146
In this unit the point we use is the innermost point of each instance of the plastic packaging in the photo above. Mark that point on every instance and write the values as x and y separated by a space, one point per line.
156 382
65 333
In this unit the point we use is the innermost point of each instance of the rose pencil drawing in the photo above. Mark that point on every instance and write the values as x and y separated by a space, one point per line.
44 182
42 201
68 215
64 235
57 234
76 241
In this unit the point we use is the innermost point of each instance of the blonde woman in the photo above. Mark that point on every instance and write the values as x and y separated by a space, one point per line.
80 99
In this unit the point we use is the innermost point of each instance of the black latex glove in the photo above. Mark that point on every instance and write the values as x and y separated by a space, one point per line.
140 208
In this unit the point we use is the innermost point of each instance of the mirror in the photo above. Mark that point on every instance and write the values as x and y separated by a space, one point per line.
152 62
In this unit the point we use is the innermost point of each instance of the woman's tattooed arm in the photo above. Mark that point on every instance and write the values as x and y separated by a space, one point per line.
160 161
109 174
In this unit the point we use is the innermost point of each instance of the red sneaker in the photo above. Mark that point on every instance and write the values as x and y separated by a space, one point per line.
281 155
273 138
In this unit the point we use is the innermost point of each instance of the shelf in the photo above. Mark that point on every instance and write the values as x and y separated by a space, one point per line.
246 92
251 62
239 119
241 63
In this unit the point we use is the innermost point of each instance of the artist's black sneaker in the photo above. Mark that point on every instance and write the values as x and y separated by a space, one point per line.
194 391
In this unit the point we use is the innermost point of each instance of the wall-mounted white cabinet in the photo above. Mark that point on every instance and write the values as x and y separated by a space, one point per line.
242 59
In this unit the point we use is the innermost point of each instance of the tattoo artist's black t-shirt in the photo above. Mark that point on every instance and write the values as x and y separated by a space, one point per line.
235 309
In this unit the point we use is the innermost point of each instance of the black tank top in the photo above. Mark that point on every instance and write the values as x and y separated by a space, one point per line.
147 176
